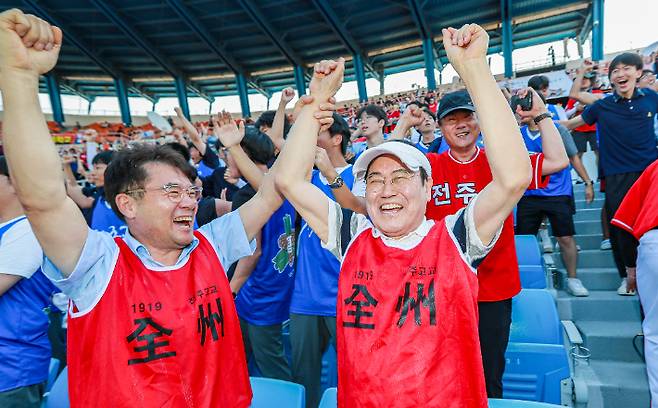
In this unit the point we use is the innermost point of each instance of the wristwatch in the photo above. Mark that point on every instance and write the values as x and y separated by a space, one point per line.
589 183
541 117
337 183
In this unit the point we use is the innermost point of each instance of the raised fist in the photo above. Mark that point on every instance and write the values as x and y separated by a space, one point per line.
468 44
287 94
27 44
327 79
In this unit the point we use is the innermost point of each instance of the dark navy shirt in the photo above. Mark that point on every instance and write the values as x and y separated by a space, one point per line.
627 142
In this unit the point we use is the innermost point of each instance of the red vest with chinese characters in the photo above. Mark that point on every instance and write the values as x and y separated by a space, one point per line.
454 184
407 326
160 338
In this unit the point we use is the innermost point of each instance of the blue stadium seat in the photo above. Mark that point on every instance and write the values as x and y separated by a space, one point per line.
532 276
534 371
53 369
501 403
271 393
531 264
329 398
535 318
58 397
527 250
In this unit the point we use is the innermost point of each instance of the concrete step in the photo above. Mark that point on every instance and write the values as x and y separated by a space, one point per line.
582 204
594 278
600 304
589 258
585 241
612 341
588 214
587 227
618 385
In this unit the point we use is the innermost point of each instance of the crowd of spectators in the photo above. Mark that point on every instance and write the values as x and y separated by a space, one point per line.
184 249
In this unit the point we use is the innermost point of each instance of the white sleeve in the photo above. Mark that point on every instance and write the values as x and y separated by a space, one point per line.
229 238
20 252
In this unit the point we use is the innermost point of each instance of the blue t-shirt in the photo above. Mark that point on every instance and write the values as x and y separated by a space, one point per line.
264 299
560 182
103 218
204 170
316 284
627 142
24 345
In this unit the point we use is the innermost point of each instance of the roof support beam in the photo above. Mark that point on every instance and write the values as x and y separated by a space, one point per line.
72 36
587 27
430 51
597 30
204 35
136 90
508 45
243 94
124 105
360 75
300 82
181 93
55 98
113 15
274 36
344 36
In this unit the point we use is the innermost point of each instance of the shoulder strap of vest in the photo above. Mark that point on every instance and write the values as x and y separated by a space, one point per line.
345 230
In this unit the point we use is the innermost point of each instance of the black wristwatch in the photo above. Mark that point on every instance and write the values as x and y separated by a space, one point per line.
541 117
337 183
589 183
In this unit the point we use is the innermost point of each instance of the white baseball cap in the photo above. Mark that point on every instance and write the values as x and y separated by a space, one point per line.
408 154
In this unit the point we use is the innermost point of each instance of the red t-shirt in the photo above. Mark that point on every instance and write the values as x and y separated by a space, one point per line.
433 107
160 338
585 127
454 183
407 325
638 213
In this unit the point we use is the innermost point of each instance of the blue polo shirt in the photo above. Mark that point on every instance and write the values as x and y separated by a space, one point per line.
627 142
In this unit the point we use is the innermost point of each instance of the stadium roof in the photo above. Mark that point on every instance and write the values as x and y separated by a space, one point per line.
206 42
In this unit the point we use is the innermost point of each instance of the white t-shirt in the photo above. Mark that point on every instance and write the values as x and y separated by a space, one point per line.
20 252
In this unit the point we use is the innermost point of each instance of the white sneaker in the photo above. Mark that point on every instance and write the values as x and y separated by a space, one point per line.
605 245
576 288
623 291
546 242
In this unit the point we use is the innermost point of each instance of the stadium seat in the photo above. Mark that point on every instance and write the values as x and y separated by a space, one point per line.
329 398
271 393
53 369
501 403
535 318
527 250
534 372
58 397
531 265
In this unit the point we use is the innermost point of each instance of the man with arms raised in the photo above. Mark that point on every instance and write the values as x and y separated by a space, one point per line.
152 320
407 298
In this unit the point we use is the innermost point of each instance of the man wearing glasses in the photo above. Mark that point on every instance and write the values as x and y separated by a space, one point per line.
152 318
407 294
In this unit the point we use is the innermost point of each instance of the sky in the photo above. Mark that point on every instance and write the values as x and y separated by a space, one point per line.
628 24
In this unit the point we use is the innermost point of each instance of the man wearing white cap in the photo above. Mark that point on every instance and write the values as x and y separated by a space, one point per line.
407 297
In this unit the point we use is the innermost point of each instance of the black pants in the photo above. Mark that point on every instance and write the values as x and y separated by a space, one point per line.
494 327
309 337
23 397
624 245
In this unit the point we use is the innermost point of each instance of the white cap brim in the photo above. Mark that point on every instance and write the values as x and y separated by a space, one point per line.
412 158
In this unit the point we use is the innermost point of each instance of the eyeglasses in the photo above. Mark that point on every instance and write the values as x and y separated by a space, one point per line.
401 178
173 191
